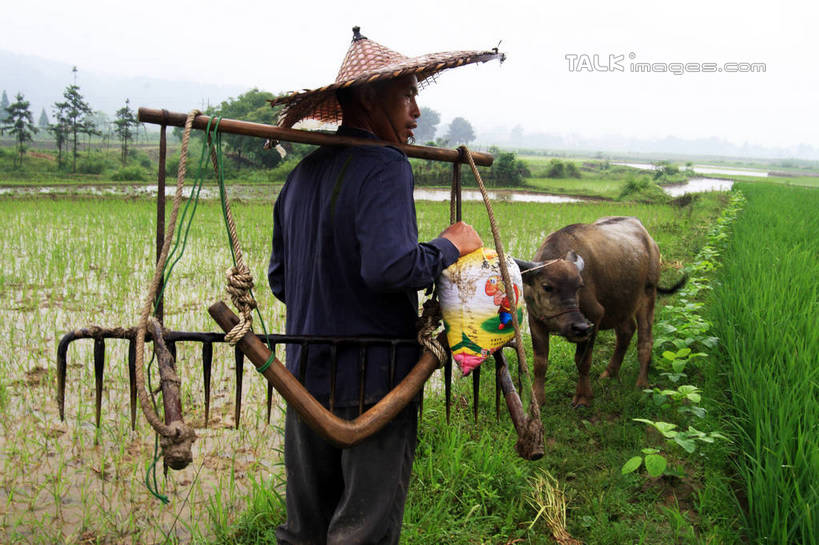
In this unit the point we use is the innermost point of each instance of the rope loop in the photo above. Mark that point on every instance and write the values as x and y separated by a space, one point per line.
239 286
427 325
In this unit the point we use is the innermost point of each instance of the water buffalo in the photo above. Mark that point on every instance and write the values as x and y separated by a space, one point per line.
620 266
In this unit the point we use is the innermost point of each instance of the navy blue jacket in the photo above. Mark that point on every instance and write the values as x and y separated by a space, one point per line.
347 262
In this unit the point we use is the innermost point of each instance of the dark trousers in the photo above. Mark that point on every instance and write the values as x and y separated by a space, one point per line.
352 496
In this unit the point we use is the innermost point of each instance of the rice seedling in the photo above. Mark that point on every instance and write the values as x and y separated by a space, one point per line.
764 309
548 498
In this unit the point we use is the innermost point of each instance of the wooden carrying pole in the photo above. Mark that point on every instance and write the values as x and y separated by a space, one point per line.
247 128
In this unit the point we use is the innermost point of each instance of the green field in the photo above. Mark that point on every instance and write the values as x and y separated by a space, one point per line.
77 260
74 262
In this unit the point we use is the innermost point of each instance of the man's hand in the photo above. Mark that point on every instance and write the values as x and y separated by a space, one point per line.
463 236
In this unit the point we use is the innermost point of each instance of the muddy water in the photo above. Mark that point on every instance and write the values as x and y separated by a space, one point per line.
260 193
698 185
705 169
253 192
69 266
429 194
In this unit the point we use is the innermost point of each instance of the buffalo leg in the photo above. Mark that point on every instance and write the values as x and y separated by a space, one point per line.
645 338
582 359
624 332
540 347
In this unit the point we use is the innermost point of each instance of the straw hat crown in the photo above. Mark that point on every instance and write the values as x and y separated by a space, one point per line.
367 61
365 56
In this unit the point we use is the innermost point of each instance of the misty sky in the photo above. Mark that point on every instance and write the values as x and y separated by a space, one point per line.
283 46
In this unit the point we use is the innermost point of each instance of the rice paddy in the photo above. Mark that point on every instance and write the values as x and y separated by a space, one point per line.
764 308
75 262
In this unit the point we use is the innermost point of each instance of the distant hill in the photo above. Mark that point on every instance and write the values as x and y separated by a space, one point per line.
617 144
42 82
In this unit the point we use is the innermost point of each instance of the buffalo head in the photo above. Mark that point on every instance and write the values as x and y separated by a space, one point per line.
550 290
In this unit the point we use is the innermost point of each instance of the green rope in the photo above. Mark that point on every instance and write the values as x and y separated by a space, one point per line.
182 232
269 361
152 487
195 191
212 138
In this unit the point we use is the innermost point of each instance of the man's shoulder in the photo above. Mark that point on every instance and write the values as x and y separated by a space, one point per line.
377 156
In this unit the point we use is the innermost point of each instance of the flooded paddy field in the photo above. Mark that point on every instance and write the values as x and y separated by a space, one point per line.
76 261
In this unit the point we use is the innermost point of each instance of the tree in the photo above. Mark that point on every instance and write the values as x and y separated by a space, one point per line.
4 103
78 115
427 125
460 132
61 129
250 106
507 169
20 123
556 169
43 122
125 119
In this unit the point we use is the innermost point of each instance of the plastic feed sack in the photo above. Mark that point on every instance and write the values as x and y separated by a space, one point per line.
476 306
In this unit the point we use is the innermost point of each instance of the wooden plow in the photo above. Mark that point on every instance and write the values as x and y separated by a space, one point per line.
177 437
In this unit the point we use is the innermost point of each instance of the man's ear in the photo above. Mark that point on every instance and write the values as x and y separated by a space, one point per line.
366 97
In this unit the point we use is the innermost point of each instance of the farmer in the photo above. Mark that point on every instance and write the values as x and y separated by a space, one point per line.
347 262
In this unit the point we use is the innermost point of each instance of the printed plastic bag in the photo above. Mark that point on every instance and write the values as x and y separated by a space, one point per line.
475 305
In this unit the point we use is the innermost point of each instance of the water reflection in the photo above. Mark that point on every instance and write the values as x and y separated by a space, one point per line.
704 169
428 194
698 185
266 193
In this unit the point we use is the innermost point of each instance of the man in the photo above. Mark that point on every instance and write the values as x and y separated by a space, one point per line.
347 262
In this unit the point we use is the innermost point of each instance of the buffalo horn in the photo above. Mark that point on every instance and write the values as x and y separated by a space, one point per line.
527 266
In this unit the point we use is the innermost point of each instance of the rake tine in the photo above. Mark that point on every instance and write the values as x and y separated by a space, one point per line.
497 388
132 380
421 403
269 400
448 385
520 378
362 370
207 362
333 373
476 391
270 391
240 360
62 366
99 366
392 365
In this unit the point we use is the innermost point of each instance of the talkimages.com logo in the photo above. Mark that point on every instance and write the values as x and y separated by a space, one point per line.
583 62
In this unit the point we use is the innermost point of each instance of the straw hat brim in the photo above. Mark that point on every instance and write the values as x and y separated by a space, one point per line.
321 103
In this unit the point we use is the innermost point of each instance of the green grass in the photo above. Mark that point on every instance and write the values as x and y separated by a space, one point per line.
765 309
586 186
469 486
802 181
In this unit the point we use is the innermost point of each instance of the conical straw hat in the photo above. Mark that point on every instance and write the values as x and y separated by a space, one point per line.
368 61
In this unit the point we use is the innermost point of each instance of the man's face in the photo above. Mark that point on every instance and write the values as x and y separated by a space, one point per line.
396 111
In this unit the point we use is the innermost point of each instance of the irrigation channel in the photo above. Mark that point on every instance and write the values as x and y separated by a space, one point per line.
263 192
704 169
